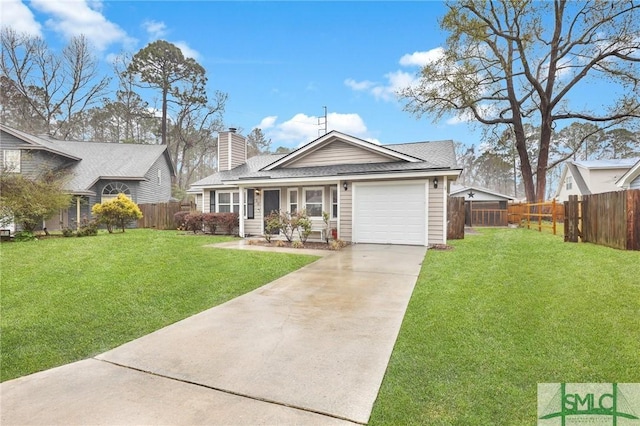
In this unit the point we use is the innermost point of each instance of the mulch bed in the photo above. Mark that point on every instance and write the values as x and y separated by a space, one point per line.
439 247
308 245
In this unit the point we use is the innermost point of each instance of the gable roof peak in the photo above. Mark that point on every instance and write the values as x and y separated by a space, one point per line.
334 136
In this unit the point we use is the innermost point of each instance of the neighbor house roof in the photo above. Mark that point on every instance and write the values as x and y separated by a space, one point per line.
576 168
616 163
411 157
92 161
459 190
626 179
577 178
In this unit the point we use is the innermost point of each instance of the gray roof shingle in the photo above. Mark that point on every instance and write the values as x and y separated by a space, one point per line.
434 155
94 160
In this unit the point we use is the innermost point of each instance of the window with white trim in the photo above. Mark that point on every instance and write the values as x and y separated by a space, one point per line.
228 202
313 201
11 160
293 201
334 202
159 177
569 182
112 189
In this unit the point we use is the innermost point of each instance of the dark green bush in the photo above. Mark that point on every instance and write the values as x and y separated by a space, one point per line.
23 236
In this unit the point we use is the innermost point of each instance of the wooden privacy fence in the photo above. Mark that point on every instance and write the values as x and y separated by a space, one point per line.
488 217
455 218
542 215
611 219
160 215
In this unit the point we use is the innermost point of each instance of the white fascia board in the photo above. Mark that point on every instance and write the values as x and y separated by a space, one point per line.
334 178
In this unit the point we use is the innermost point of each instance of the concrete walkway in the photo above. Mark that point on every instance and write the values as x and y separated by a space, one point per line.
309 348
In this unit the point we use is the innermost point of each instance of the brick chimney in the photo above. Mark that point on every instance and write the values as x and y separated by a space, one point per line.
232 149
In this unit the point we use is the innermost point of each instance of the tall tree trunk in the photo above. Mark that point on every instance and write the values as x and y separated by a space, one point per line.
164 115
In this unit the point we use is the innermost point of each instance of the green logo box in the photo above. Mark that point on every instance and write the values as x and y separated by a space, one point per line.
576 404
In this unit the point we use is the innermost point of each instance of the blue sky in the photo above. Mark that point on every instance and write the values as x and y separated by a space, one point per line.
280 62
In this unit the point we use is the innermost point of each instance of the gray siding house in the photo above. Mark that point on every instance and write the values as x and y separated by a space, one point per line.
388 194
93 171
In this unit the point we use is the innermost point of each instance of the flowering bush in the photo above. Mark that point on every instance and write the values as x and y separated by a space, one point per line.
116 212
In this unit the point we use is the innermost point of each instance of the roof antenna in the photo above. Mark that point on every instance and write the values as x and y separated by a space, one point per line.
322 123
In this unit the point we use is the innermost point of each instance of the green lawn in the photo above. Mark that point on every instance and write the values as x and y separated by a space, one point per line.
504 311
67 299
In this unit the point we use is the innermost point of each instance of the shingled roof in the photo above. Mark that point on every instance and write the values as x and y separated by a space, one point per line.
436 155
91 161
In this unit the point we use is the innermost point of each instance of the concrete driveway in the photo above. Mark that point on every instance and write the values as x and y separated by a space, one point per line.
309 348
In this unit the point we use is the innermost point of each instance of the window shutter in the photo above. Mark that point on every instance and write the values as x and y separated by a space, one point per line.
212 202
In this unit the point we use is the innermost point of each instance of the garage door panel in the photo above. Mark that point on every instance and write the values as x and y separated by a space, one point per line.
390 214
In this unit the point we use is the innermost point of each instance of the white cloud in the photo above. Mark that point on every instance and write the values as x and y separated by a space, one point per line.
76 17
421 59
19 17
267 122
387 91
302 129
359 85
155 29
397 80
187 51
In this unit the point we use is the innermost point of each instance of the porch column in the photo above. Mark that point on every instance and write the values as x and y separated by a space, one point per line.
78 213
446 213
241 213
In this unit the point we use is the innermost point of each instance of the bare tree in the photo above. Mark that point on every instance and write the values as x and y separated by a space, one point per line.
511 63
193 135
257 143
55 86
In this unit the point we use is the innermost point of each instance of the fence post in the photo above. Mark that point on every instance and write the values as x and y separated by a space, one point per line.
633 217
539 211
553 215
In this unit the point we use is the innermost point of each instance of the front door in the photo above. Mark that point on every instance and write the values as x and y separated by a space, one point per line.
271 203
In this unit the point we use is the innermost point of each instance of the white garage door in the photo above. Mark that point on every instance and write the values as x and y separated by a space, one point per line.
389 214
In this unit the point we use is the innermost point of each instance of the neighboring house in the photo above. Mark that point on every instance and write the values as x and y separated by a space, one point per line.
389 194
631 179
482 206
93 171
592 177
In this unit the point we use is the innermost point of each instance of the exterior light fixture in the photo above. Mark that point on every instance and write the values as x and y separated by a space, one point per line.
435 183
258 192
345 186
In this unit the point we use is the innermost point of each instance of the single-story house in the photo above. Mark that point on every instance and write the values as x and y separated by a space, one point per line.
388 194
631 179
94 171
483 207
592 177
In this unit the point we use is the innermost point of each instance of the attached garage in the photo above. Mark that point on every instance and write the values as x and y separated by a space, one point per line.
390 213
